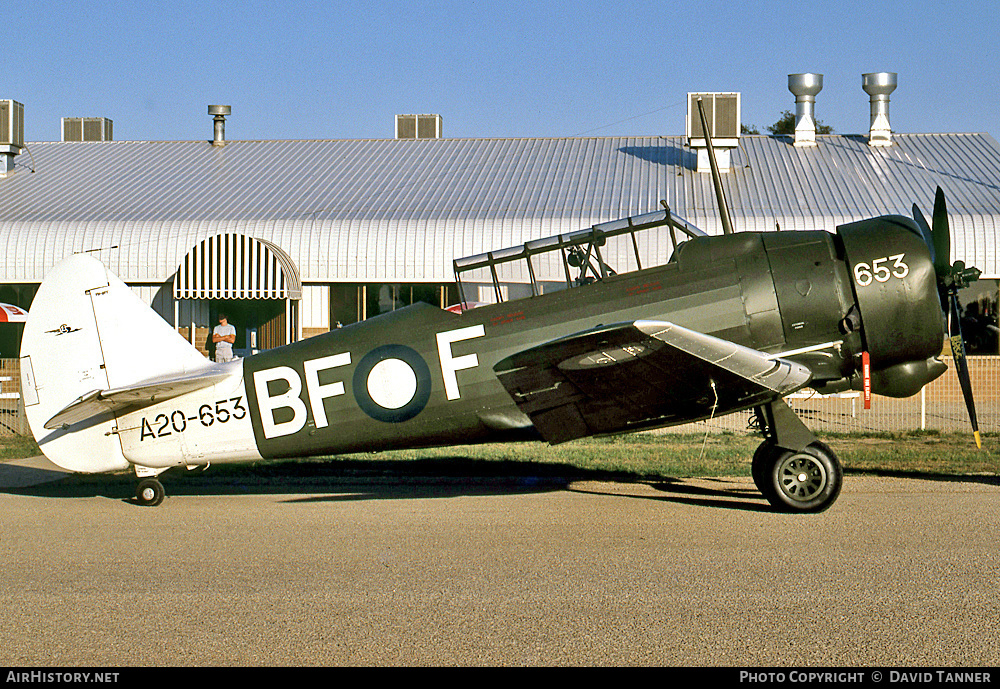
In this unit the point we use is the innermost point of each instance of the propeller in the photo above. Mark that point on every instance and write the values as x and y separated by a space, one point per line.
950 279
925 229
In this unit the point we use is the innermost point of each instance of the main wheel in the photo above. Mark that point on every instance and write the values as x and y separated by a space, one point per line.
149 492
760 465
805 481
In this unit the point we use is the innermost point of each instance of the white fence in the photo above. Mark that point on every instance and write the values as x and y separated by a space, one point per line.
12 419
939 406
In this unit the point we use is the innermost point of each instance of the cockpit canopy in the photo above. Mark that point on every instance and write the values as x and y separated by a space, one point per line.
570 260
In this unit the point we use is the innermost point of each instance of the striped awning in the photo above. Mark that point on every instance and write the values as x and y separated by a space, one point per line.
235 266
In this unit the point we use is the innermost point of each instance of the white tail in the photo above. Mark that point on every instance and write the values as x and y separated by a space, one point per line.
87 333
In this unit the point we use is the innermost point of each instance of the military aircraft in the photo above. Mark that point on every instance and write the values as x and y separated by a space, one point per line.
729 323
724 324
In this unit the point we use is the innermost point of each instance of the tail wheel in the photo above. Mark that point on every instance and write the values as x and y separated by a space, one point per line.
805 481
149 492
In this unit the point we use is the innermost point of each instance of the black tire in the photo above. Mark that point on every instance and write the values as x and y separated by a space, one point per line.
149 492
760 465
805 481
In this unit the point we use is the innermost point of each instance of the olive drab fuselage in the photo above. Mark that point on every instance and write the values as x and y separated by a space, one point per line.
422 376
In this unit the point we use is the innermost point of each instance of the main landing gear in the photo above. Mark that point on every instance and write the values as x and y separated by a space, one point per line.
793 470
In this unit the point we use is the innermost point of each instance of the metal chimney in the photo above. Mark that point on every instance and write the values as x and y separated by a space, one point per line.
805 87
878 85
220 112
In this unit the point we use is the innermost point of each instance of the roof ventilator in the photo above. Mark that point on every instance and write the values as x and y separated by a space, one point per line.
418 126
87 129
722 111
805 87
878 85
11 134
220 112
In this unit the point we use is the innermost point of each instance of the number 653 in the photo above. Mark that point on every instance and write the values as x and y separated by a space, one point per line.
881 270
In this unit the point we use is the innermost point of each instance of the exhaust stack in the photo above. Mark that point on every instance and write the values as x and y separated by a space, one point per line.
878 85
805 87
220 112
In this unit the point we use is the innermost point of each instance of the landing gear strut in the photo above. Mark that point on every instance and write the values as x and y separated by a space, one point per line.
793 470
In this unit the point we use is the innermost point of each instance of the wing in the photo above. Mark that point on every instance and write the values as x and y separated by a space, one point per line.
640 375
135 396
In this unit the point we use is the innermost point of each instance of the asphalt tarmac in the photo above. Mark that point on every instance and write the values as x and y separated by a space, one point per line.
393 571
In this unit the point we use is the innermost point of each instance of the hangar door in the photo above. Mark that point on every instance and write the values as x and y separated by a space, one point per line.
253 281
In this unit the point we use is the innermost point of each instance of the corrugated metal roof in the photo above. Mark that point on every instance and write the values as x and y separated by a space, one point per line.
376 210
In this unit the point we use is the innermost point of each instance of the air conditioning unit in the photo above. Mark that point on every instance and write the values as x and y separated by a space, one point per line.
418 126
722 110
87 129
11 123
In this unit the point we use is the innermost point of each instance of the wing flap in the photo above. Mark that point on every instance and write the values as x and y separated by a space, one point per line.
132 397
640 375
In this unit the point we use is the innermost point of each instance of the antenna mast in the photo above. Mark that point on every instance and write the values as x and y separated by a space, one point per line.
720 195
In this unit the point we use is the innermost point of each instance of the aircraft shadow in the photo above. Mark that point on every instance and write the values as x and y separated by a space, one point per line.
318 480
338 480
725 496
351 480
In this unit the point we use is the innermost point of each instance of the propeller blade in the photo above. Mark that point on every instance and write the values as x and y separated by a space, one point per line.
925 229
950 279
942 235
962 364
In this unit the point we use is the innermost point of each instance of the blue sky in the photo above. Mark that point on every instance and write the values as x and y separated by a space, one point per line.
317 70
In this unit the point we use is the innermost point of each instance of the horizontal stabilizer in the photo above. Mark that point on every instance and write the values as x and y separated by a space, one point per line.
132 397
640 375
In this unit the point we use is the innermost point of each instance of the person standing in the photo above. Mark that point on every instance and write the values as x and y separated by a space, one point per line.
224 336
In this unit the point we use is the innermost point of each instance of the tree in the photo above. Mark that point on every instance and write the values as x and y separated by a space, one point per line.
786 125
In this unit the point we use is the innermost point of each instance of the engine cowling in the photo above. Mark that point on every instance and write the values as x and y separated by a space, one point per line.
895 290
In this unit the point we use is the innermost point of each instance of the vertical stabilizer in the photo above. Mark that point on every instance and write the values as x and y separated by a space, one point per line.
87 331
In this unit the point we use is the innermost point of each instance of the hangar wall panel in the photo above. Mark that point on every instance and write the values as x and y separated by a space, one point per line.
315 306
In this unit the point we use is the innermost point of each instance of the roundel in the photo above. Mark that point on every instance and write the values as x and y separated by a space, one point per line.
392 383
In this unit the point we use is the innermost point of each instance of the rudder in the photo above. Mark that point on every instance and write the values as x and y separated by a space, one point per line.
86 331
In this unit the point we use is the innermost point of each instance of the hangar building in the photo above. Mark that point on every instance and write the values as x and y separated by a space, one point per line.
292 238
